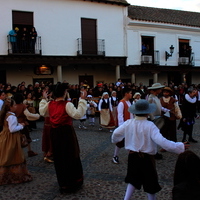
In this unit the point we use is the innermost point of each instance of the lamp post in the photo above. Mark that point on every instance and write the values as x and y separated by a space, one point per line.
167 55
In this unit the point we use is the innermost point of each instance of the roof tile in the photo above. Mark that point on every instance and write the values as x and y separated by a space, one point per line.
164 15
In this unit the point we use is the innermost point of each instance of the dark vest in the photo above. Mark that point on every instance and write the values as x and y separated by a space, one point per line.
105 105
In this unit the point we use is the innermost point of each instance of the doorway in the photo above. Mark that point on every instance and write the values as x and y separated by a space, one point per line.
89 36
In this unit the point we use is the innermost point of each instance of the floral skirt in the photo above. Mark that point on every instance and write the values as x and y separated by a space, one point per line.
14 174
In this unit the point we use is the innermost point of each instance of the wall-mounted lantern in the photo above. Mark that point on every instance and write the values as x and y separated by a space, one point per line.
167 55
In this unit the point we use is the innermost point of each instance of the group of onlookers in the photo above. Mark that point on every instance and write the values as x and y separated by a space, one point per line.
124 108
23 41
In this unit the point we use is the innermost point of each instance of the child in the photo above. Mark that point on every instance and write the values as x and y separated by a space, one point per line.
82 119
105 109
122 116
136 97
12 161
141 139
91 105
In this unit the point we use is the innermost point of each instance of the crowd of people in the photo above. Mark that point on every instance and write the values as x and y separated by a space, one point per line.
139 118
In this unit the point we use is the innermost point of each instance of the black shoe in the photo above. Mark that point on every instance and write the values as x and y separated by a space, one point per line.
193 140
115 159
158 156
185 141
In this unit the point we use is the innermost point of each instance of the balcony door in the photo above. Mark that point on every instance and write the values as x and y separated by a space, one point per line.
22 19
147 50
89 36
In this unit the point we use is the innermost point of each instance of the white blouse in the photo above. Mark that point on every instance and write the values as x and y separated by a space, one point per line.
142 135
69 108
13 124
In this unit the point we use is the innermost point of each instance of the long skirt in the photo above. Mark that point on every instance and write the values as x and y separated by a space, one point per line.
106 119
12 162
66 157
46 136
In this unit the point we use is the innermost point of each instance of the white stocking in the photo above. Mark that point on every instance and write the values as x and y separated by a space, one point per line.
129 191
116 152
151 196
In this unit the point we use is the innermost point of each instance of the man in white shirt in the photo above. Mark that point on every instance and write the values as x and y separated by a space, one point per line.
141 139
122 115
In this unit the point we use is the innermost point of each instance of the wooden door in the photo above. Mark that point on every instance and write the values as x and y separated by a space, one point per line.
89 36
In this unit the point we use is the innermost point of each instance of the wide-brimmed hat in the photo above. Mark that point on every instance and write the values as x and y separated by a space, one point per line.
168 89
156 86
142 106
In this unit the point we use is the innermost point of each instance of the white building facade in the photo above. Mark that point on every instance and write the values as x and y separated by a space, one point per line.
150 34
99 41
77 40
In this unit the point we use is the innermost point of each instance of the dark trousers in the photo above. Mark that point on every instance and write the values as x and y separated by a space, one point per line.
188 130
169 129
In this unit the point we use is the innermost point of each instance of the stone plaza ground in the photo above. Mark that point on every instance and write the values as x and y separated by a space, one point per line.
103 180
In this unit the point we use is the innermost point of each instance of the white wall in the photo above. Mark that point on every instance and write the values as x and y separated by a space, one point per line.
58 23
164 36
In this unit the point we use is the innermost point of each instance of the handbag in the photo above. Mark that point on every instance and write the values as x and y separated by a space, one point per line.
24 142
177 111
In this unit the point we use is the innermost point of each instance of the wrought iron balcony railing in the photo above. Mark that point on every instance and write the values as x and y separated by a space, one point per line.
19 47
150 58
186 60
91 47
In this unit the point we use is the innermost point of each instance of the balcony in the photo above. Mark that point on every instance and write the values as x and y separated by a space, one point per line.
91 47
150 58
24 47
186 60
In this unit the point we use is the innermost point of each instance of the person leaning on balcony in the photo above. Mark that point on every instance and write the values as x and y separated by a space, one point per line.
32 39
24 40
13 39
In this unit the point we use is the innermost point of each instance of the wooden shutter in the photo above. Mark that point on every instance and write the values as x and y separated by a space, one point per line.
23 18
89 36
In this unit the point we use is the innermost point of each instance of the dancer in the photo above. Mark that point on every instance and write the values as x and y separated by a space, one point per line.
141 139
12 160
189 114
123 115
64 141
105 109
91 106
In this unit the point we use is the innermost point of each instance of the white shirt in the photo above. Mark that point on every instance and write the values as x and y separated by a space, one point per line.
70 109
120 112
142 135
91 102
13 124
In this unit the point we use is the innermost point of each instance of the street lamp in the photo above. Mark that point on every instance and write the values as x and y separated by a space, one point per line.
167 55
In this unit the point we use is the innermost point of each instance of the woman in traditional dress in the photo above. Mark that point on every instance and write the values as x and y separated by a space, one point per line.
64 141
12 161
105 109
29 102
23 115
114 102
46 135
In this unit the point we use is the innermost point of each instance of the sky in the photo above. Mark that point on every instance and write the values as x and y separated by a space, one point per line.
187 5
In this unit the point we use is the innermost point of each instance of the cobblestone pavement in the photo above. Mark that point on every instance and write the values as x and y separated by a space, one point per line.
103 179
